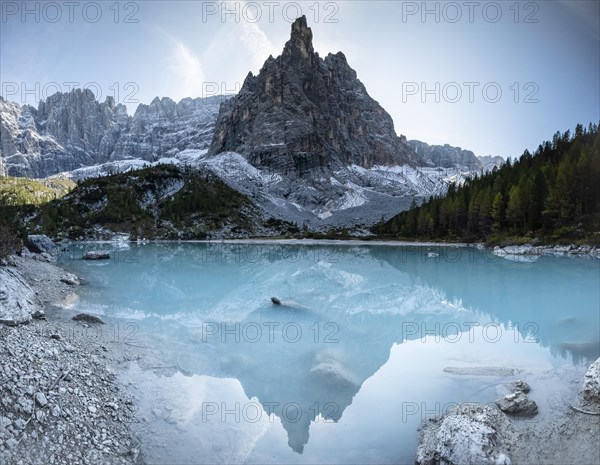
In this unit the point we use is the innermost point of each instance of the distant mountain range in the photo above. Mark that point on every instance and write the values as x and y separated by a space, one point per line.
302 139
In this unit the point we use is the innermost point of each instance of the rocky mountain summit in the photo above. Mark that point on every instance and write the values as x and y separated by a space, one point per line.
73 130
303 113
445 155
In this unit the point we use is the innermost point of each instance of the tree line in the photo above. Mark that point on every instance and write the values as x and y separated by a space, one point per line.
552 194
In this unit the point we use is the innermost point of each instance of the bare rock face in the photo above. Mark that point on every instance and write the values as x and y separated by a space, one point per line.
302 113
591 382
65 132
468 434
73 130
446 156
165 128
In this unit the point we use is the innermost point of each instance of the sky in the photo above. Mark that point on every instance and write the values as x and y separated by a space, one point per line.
492 77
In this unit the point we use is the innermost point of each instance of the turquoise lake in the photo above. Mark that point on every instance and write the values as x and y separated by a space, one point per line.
369 341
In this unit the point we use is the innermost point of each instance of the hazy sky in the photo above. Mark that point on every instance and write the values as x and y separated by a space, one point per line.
493 77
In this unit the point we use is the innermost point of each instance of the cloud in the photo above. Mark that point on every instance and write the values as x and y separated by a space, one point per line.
244 39
185 76
252 36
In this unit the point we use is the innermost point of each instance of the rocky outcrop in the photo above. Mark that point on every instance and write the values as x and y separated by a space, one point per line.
303 113
467 434
18 302
489 162
65 132
165 128
39 243
446 156
591 382
73 130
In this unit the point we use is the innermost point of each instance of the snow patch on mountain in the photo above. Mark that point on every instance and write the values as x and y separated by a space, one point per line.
349 196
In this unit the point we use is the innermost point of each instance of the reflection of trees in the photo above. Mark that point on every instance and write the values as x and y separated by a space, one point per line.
558 296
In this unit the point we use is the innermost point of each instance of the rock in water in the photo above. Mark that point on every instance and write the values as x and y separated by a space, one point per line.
517 403
275 301
96 255
591 382
303 113
518 386
88 318
481 371
39 243
467 434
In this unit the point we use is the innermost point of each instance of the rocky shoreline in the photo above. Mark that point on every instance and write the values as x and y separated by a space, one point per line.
555 250
61 402
508 432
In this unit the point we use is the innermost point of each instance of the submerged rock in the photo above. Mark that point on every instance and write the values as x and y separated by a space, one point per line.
481 371
591 382
467 434
96 255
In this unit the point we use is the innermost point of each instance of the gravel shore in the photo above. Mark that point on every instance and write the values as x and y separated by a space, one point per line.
60 399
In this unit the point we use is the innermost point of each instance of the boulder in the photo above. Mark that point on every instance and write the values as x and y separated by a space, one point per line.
96 255
518 386
517 403
17 299
467 434
591 382
70 279
39 243
88 318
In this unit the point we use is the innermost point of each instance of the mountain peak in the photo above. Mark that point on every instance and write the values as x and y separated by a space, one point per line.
300 44
303 114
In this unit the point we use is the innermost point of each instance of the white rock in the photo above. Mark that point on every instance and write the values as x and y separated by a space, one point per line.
70 279
17 299
591 382
41 400
467 434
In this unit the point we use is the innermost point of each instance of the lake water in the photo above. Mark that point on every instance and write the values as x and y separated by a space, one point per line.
369 341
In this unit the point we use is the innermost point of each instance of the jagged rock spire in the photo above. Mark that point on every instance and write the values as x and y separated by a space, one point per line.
302 113
300 46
